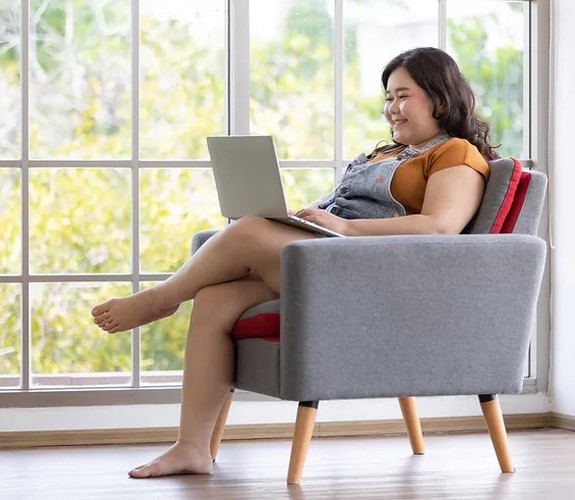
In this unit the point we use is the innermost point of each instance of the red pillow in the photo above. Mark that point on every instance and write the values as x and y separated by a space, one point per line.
504 177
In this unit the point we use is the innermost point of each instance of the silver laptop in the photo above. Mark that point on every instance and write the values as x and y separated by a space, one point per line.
248 180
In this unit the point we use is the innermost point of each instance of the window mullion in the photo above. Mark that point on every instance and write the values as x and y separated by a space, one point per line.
239 67
25 306
135 76
338 67
442 24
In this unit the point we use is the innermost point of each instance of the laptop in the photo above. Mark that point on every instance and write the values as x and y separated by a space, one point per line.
248 180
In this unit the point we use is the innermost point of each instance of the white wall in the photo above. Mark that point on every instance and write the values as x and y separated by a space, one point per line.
562 179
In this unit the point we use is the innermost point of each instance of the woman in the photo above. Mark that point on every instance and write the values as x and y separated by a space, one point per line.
429 180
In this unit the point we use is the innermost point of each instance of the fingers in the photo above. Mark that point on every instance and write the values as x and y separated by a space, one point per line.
315 216
304 213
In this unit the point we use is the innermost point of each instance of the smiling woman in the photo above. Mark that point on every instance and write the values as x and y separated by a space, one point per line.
421 102
240 266
409 110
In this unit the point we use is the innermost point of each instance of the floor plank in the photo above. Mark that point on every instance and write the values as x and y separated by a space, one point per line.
454 467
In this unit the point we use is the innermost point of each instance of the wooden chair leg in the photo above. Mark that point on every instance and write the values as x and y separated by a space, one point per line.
304 423
412 424
496 427
218 431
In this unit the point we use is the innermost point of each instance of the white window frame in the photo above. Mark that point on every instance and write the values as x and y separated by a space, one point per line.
237 104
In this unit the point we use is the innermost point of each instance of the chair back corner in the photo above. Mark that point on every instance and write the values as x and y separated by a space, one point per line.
512 202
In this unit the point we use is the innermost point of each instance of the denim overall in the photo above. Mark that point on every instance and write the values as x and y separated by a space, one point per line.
364 190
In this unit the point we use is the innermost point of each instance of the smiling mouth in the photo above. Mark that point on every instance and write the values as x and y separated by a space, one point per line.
396 123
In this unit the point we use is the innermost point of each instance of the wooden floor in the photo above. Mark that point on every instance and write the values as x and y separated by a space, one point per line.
454 467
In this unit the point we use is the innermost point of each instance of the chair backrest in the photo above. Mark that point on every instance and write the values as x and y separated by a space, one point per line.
512 202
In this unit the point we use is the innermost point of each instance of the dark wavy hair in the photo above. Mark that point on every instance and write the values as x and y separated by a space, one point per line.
437 73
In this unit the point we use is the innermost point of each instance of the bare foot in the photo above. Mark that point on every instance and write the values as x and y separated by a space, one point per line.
178 459
118 315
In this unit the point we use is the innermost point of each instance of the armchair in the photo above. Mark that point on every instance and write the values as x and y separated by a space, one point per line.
401 316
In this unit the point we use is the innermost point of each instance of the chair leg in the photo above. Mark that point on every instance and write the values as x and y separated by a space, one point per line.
218 431
304 423
412 424
496 427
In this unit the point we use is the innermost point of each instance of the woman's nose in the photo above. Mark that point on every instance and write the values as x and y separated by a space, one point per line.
393 107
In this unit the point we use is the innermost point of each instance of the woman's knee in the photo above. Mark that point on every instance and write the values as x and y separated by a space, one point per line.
224 303
248 227
210 299
217 304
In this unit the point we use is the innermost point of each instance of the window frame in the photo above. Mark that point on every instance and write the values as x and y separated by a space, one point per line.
237 106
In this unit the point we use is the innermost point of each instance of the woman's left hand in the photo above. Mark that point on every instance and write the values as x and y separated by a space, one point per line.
324 219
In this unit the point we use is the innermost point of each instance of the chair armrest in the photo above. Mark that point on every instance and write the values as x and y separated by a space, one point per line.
198 239
407 315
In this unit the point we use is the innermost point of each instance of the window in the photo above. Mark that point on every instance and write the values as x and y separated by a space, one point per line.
104 173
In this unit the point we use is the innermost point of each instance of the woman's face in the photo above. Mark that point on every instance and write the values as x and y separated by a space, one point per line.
409 110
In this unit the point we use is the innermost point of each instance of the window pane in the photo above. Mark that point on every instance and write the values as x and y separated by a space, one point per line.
10 221
174 204
10 335
291 71
375 32
487 39
80 79
80 220
67 348
182 85
303 186
10 96
162 346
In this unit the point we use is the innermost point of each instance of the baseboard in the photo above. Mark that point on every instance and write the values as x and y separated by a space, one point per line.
272 431
561 421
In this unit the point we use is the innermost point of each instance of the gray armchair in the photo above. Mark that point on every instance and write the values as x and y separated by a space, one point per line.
402 316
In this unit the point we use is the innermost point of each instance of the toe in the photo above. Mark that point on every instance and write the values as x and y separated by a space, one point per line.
149 470
96 311
136 472
102 319
100 309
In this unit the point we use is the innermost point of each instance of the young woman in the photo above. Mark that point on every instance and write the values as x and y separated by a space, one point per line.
429 180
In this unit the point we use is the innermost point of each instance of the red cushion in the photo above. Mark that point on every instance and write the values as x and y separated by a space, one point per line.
517 205
507 199
265 325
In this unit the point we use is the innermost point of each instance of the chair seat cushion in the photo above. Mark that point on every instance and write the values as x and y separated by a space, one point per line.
259 322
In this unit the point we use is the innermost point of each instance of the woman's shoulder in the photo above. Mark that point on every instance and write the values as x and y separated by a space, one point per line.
457 151
462 149
457 144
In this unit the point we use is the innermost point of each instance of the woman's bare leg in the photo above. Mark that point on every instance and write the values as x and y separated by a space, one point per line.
207 374
249 244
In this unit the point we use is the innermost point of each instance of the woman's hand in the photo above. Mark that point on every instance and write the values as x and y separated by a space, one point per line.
324 219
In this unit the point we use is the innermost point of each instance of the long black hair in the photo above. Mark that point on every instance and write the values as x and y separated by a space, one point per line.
437 73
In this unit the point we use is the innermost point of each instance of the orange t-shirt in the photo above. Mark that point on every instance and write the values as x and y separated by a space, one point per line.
410 179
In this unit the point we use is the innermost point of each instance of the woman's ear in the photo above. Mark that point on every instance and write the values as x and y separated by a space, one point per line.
441 107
